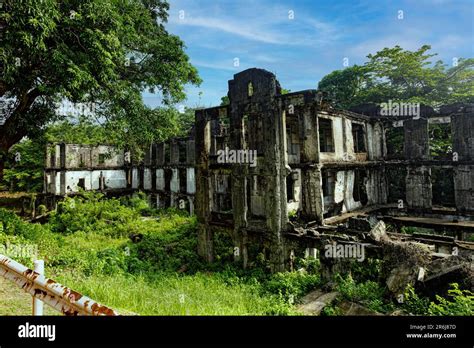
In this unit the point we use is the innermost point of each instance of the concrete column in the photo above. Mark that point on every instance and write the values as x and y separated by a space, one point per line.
418 187
463 149
203 200
418 180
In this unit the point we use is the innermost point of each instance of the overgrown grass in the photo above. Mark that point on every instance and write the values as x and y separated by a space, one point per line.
87 246
172 294
143 261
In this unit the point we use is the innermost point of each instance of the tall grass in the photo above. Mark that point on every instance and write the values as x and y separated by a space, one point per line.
170 294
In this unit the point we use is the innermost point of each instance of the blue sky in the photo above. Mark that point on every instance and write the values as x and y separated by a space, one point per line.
303 49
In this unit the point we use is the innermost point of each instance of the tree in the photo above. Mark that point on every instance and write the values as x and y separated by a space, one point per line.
105 52
225 101
401 75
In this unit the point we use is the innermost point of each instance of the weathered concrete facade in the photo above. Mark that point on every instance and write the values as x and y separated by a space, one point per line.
166 174
312 162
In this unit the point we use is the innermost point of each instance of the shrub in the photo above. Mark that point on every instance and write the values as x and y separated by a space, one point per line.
368 293
413 303
462 304
291 285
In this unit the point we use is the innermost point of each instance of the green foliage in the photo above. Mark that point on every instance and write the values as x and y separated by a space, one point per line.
346 87
172 250
93 214
27 173
138 277
82 132
413 303
462 303
408 229
441 140
368 293
291 285
168 294
105 52
401 75
331 310
225 101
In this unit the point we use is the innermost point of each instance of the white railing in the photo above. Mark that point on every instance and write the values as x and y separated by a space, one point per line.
45 290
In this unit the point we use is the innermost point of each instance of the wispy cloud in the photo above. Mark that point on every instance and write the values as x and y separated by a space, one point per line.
303 49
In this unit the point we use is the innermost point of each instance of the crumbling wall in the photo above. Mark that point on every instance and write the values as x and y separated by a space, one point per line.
463 149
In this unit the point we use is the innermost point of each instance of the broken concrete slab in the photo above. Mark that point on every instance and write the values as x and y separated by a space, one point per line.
314 302
352 308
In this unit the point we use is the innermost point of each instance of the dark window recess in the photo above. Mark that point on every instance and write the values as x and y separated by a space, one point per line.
328 185
222 194
168 176
82 183
290 188
443 186
245 131
359 191
441 141
81 160
182 152
326 140
166 149
102 158
182 180
395 140
358 135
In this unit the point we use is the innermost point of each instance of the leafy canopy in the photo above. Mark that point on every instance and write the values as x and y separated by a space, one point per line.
402 75
105 52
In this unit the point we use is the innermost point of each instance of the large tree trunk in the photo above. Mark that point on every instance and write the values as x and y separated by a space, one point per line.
15 126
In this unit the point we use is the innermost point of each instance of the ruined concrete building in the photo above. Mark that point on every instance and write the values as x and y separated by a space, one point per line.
316 167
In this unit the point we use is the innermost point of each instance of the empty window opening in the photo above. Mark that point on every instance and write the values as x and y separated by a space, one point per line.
396 178
102 157
358 135
182 152
329 182
81 160
326 138
168 177
441 141
292 139
250 89
182 180
395 138
359 190
443 186
166 149
290 188
222 194
245 131
82 183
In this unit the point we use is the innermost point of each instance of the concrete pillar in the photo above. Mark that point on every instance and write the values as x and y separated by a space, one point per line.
313 194
418 180
418 187
203 199
463 151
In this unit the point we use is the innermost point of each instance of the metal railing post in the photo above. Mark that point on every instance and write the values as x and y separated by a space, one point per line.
37 303
45 290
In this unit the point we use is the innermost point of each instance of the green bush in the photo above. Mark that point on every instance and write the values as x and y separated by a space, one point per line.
413 303
291 285
462 304
368 293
